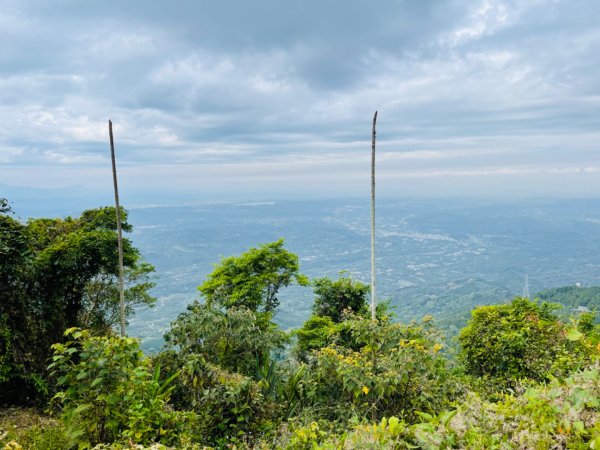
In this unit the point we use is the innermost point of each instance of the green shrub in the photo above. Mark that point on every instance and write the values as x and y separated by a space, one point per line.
31 429
317 332
109 393
562 414
397 370
228 407
522 339
237 339
334 298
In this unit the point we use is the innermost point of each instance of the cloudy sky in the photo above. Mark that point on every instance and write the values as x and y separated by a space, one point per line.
275 98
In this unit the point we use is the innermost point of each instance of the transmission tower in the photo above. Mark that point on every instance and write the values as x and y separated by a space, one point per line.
526 287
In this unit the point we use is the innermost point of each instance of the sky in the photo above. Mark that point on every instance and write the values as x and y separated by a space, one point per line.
271 98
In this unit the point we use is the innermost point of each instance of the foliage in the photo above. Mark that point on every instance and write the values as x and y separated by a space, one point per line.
317 332
253 279
19 328
228 406
227 375
522 339
4 205
108 392
333 298
236 339
334 302
55 274
224 381
398 370
100 302
73 253
573 297
563 414
30 429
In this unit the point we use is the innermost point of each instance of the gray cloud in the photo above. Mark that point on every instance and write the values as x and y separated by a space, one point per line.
473 89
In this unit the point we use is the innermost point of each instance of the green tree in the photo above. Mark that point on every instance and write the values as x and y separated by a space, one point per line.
108 392
253 279
407 374
317 332
237 339
521 339
76 269
17 313
55 274
333 298
100 302
335 301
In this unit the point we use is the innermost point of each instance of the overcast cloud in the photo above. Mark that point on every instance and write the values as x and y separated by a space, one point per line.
271 97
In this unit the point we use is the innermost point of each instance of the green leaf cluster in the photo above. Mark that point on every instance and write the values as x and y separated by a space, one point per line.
334 302
562 414
109 393
236 339
522 339
253 279
334 298
395 369
56 274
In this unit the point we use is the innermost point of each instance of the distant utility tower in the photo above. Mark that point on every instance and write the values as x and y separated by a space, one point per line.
526 287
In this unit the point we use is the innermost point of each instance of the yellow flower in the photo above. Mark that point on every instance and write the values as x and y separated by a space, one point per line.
365 390
13 445
437 348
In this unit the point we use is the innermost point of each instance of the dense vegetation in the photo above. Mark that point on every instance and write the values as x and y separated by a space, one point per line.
573 298
229 377
56 274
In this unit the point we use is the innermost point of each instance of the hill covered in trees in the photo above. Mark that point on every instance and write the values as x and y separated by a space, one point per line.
573 298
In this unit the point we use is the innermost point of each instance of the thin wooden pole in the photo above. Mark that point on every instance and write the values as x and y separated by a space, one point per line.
120 233
373 298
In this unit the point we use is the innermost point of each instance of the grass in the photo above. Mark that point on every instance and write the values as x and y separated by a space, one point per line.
30 428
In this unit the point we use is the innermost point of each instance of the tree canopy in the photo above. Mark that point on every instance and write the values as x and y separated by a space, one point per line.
253 279
55 274
237 339
333 298
522 339
334 303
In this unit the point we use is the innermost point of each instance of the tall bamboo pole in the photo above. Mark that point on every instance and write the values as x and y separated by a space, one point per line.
373 300
120 233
